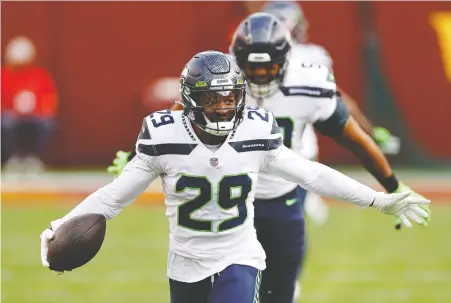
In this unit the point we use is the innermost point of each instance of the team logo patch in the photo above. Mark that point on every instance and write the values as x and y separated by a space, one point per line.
214 161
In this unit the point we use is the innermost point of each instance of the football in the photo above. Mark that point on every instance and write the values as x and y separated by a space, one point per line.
76 242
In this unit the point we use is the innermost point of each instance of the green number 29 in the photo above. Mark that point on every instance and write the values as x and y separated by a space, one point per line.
225 201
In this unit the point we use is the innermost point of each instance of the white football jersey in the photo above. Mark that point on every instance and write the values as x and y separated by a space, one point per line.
307 96
208 194
313 53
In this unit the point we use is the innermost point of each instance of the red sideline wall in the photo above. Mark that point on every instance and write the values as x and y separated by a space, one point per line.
102 54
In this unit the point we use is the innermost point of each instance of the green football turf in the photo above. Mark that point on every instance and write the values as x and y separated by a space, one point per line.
357 257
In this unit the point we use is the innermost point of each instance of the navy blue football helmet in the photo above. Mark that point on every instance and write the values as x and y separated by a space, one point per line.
260 46
207 77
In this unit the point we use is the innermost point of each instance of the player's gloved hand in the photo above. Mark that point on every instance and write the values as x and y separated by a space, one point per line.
388 143
402 205
46 236
118 163
404 188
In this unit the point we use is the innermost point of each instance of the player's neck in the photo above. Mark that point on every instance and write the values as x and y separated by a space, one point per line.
207 138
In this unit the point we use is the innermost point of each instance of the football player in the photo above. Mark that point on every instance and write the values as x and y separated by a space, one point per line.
291 13
299 94
209 157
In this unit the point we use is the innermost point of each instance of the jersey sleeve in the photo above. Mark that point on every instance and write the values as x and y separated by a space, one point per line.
335 123
312 84
137 175
146 147
122 191
316 86
274 141
325 59
316 177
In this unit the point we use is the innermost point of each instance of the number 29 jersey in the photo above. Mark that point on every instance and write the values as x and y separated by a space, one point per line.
209 194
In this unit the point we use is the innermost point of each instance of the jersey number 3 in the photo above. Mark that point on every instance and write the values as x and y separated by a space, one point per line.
226 199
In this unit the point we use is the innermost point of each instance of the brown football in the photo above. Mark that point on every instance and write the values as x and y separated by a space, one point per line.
76 242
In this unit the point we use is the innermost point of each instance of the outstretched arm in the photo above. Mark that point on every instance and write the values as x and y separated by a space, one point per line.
318 178
328 182
123 190
108 200
343 128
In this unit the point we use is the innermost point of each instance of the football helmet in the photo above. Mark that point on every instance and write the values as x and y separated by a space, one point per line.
206 78
260 46
291 13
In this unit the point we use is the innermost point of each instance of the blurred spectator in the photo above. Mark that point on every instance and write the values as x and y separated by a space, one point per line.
29 105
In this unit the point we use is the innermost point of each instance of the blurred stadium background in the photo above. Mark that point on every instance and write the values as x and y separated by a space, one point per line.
115 62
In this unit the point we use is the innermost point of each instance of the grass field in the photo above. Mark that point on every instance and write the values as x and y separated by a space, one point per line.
357 257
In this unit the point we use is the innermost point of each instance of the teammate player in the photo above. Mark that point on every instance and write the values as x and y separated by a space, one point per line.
299 94
209 156
291 13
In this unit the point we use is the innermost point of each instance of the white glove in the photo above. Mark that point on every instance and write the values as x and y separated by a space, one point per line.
46 236
391 146
403 206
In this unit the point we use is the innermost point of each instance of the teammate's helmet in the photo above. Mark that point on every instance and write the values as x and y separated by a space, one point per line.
210 75
260 45
291 13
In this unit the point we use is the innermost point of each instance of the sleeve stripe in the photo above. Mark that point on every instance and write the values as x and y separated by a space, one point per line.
144 134
166 149
308 91
334 126
256 145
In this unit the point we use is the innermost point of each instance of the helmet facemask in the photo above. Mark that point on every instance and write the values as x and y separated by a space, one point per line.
216 110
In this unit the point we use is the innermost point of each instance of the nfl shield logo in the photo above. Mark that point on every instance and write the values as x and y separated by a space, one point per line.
213 161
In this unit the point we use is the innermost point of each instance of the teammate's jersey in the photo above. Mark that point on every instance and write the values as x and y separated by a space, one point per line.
315 54
208 194
307 96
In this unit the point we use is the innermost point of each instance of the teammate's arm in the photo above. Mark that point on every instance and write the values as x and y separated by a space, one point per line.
388 143
344 129
347 132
